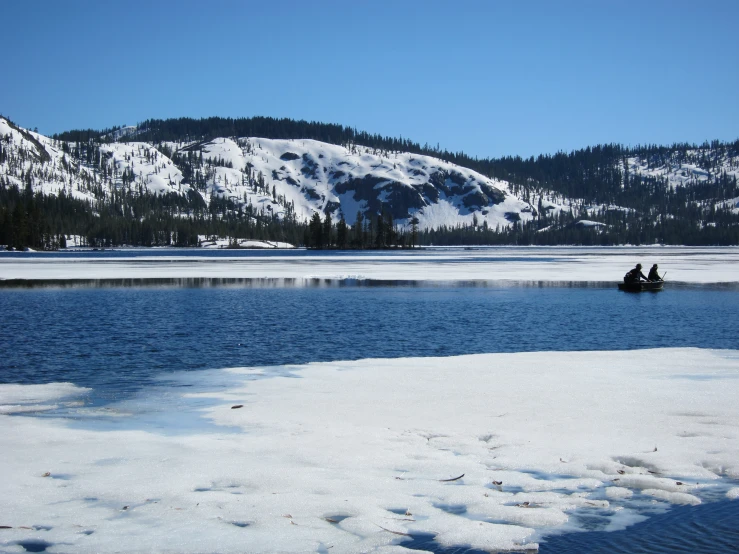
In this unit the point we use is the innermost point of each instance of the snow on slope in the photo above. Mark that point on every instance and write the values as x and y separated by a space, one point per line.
732 203
52 169
275 177
686 168
689 168
320 177
126 131
151 169
299 178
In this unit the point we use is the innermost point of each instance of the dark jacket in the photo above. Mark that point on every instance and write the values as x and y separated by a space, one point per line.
653 275
634 275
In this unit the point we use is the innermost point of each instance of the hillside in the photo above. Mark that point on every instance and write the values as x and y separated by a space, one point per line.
280 179
170 182
308 177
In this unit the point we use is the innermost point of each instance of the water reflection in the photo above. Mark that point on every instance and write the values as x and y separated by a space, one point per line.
319 282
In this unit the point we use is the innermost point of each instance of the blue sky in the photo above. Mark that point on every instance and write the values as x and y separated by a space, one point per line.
487 78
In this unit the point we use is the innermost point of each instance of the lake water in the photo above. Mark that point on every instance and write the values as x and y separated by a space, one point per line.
117 339
706 528
120 340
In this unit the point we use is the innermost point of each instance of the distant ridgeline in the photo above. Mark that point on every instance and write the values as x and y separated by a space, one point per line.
175 181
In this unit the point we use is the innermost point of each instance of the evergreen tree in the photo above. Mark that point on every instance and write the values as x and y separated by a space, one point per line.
316 231
341 233
358 231
327 231
414 231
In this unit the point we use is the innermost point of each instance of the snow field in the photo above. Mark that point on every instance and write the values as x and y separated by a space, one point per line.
57 174
507 264
684 172
344 455
152 170
407 169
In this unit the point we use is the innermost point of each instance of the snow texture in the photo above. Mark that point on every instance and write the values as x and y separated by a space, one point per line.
489 451
687 168
210 242
499 264
34 398
684 168
276 177
302 177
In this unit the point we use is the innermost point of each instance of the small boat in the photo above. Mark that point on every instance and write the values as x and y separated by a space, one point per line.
641 286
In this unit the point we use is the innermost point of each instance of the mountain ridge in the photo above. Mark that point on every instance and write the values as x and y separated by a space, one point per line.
615 193
286 177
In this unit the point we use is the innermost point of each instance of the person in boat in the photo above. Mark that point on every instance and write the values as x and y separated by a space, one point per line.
653 275
635 275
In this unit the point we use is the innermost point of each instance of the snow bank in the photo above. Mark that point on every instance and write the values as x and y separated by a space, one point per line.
206 242
489 451
589 223
530 264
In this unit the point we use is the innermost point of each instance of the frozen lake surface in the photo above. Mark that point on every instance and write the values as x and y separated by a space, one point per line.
517 264
570 407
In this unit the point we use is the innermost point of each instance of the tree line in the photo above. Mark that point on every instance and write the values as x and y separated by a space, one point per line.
44 222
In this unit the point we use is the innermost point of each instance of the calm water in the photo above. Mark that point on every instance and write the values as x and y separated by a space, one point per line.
707 528
701 529
118 340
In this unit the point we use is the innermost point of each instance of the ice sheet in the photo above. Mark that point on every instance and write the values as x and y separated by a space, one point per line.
565 264
485 450
36 398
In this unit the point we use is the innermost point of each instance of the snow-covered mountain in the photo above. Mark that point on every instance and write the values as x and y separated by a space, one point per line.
683 167
297 178
318 177
281 177
687 168
50 166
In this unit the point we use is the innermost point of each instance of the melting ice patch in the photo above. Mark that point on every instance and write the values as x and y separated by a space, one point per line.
38 398
488 451
563 265
499 264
